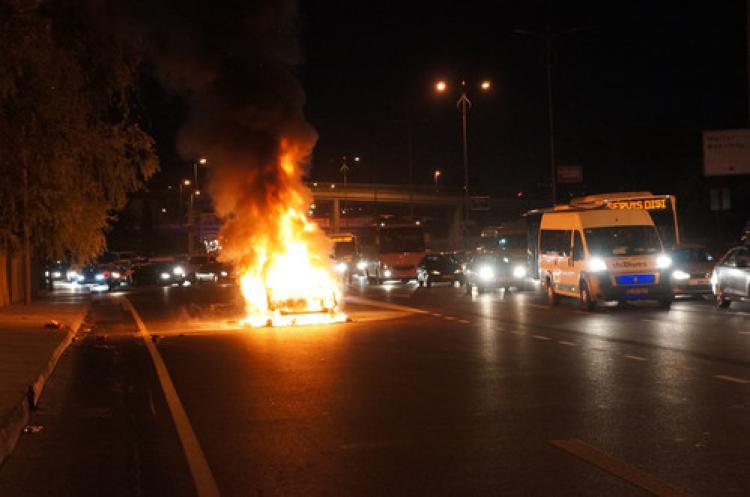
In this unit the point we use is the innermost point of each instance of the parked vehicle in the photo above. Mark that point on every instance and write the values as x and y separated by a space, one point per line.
193 264
490 270
438 268
345 257
691 270
599 255
730 280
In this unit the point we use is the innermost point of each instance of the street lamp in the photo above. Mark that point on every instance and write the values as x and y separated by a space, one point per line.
464 104
436 175
201 161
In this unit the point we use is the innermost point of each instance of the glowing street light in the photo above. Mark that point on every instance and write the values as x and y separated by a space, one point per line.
464 104
436 175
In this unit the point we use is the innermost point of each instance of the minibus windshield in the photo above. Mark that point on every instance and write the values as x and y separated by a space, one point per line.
614 241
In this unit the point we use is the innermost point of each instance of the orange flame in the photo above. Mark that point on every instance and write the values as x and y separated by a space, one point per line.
288 280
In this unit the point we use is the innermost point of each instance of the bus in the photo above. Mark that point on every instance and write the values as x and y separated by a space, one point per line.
391 249
661 208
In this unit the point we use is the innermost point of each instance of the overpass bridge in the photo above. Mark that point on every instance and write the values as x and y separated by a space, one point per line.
382 197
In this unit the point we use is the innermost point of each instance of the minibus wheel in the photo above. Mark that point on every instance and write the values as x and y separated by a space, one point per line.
552 298
587 303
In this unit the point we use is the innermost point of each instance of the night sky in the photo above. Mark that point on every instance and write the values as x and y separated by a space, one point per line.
633 88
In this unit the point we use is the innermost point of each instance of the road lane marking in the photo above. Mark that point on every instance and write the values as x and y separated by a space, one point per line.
464 321
658 321
450 318
634 357
205 485
541 337
436 314
519 333
599 349
744 332
564 342
732 379
621 469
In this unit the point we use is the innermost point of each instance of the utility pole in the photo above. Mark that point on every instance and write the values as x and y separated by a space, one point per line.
26 278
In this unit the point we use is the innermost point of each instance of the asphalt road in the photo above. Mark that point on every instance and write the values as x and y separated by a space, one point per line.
426 392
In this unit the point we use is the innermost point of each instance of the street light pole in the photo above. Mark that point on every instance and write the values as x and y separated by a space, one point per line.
464 104
550 114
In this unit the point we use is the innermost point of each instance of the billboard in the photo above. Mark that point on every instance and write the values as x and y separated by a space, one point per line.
726 152
569 174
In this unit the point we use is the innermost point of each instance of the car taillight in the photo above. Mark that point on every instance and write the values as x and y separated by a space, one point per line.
106 274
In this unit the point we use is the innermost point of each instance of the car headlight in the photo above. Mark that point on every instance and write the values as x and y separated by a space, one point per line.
178 271
519 272
506 260
596 265
387 273
99 277
116 275
341 267
56 274
224 274
165 276
362 265
80 277
678 274
663 261
714 278
486 273
436 273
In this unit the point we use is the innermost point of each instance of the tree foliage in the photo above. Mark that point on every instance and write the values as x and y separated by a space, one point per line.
71 148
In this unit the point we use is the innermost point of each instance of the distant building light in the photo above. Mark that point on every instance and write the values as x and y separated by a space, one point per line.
163 210
333 185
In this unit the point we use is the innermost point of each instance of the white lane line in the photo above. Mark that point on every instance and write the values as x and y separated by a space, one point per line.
569 344
450 318
600 349
634 357
732 379
464 321
681 367
619 468
436 314
541 337
205 485
744 332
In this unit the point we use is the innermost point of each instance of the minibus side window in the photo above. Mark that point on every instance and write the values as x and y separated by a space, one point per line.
555 242
578 254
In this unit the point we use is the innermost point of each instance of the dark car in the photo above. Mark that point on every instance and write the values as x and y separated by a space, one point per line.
437 268
490 270
159 272
731 277
214 272
691 270
101 274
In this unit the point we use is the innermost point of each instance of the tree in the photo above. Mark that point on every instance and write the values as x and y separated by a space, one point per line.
71 148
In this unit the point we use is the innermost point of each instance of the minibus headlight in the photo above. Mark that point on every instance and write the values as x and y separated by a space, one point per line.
596 265
519 272
663 261
362 265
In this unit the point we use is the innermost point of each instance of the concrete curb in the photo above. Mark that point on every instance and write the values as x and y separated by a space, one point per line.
13 424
